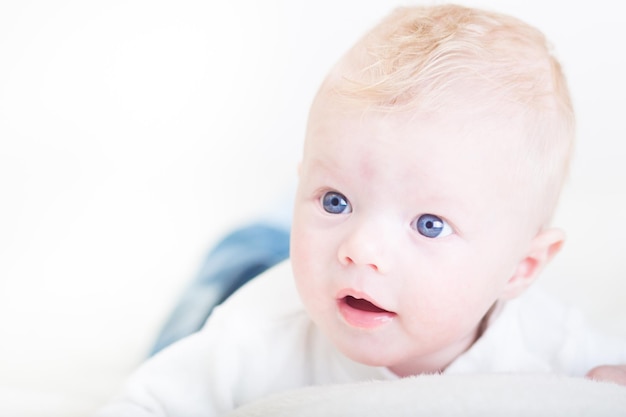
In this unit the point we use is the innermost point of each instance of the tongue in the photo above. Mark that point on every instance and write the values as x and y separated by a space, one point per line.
364 305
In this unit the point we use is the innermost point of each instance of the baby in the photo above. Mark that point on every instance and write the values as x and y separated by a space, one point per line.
434 156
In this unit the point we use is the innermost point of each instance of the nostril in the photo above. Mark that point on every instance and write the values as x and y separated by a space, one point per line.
349 261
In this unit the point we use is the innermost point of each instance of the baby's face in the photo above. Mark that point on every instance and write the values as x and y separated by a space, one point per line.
405 233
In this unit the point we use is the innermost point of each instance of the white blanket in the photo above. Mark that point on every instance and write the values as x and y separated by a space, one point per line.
450 395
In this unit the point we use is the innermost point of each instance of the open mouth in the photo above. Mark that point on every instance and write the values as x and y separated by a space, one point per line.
363 314
363 305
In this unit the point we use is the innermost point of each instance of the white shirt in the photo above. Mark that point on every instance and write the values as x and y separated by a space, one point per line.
261 341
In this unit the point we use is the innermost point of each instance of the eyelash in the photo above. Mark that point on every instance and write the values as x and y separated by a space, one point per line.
432 226
428 225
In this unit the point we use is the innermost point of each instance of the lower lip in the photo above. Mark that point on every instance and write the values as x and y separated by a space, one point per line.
364 319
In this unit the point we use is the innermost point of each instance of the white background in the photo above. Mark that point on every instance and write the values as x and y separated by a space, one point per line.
134 133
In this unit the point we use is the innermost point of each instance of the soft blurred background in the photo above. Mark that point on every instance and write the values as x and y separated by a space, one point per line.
133 134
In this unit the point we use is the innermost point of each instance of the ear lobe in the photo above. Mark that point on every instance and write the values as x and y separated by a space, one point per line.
542 249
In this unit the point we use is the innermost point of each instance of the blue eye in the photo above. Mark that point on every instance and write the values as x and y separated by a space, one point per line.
335 203
432 226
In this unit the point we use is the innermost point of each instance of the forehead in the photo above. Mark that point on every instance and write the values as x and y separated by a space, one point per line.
454 139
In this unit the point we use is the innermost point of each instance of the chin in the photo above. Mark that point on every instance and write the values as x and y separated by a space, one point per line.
369 355
368 360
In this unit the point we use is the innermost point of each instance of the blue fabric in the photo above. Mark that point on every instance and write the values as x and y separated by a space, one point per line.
237 258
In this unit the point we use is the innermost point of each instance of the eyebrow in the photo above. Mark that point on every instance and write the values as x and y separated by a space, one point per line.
437 199
323 164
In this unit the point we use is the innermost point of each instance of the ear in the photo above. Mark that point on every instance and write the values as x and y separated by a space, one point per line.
542 249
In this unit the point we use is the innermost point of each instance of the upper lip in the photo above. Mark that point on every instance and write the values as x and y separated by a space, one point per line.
349 292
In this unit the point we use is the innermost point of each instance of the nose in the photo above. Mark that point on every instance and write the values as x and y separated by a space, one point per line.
366 244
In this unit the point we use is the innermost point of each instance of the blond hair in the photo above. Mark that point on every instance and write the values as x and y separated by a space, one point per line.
418 58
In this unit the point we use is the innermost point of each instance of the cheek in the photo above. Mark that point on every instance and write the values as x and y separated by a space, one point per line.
308 277
301 247
305 259
311 242
454 293
299 226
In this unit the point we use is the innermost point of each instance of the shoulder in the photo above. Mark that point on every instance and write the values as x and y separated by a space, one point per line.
267 300
539 333
563 336
262 341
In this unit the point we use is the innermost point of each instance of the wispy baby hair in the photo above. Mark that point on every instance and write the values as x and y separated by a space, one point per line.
417 53
427 58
